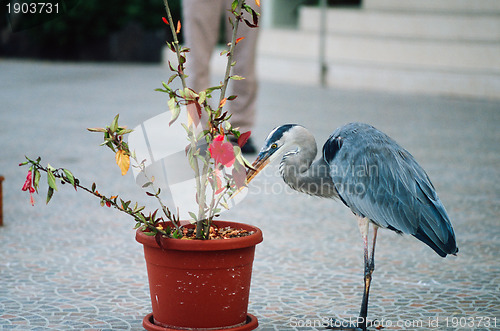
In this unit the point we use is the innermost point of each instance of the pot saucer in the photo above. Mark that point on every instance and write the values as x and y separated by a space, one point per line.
251 324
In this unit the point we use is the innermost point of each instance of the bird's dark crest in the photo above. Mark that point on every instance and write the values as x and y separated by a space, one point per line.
278 132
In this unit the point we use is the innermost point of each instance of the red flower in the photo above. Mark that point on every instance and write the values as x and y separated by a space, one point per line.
28 186
222 152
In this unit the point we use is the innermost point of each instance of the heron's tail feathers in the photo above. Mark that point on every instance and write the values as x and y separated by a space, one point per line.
443 249
434 228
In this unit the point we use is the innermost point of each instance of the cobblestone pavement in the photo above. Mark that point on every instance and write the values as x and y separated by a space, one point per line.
72 265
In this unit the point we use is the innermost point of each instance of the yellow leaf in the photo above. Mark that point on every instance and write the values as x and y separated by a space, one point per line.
257 2
123 161
178 27
222 102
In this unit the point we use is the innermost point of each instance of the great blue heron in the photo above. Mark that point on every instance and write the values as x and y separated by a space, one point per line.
371 174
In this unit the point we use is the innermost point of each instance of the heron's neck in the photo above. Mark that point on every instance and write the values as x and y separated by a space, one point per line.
301 174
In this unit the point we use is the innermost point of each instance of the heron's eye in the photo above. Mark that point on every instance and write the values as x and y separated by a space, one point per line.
274 146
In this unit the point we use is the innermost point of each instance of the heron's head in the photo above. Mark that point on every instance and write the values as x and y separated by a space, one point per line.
277 143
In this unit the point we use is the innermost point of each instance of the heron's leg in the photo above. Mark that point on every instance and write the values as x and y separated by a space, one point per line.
374 241
369 264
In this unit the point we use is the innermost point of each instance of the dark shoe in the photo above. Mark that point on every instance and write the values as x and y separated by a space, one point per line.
248 148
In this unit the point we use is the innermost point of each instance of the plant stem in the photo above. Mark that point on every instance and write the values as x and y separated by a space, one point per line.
176 43
200 192
230 54
164 208
127 211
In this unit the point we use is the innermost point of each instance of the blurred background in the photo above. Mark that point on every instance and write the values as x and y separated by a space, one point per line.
444 47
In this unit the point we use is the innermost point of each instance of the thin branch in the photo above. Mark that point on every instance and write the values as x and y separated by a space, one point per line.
175 42
112 202
237 14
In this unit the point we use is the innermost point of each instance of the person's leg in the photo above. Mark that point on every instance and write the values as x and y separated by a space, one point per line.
201 20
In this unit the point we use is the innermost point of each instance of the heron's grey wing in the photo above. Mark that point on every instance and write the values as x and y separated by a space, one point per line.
378 179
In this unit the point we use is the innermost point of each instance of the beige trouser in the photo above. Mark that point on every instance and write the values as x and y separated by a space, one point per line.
201 21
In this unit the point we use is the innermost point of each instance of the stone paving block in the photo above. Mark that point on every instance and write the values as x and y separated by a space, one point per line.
73 265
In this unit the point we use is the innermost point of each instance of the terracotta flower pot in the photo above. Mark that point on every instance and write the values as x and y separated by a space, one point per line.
200 284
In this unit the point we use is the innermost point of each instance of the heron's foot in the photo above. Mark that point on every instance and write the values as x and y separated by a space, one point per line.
351 324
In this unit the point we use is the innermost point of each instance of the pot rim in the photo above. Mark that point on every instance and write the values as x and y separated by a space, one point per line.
206 245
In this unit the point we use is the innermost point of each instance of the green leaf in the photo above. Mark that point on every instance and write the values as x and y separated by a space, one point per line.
188 131
141 217
226 125
93 187
248 8
171 46
125 204
147 184
69 177
102 130
170 64
237 77
36 180
202 97
122 130
51 179
138 209
149 233
213 88
193 216
165 85
174 109
114 124
192 161
189 94
171 78
153 217
50 192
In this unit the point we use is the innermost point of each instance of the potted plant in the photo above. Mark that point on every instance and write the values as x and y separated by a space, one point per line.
199 273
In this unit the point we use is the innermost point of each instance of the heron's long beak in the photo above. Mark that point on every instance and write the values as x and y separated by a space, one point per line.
260 163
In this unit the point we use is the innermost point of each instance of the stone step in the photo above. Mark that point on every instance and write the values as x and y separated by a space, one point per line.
358 76
448 6
281 67
404 24
398 52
